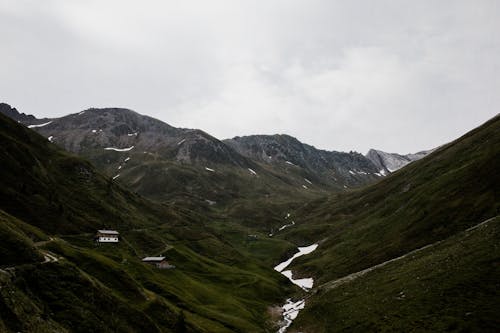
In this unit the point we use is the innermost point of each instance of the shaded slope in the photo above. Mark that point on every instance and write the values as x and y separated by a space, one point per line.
450 286
59 192
429 200
58 199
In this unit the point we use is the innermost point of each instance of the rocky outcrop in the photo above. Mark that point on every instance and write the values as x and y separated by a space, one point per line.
390 162
96 129
279 149
22 118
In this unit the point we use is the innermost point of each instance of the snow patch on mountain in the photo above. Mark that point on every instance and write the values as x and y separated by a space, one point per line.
119 149
290 312
302 251
39 125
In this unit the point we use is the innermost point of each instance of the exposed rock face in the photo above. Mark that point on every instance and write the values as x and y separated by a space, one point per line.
25 119
95 129
279 149
390 162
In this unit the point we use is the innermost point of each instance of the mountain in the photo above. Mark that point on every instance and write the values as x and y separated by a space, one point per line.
165 163
11 112
414 251
370 239
390 162
122 128
53 277
351 169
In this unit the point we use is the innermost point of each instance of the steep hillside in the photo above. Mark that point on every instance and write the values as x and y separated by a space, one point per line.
54 278
432 199
61 193
390 162
450 286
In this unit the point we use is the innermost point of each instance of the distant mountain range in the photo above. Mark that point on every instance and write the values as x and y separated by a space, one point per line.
163 162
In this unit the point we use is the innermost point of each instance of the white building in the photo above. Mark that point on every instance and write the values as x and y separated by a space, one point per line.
107 236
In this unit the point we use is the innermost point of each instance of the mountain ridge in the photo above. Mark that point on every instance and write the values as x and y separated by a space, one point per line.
135 148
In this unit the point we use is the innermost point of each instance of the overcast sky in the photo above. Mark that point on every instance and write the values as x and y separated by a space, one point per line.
400 76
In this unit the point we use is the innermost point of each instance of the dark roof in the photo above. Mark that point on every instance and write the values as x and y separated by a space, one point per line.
108 232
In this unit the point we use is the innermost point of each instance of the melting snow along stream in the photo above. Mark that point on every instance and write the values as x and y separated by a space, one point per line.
291 309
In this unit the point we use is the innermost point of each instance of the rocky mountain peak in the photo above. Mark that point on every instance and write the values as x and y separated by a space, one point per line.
279 149
23 118
391 162
97 129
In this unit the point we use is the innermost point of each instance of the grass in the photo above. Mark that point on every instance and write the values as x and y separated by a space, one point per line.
47 192
452 286
429 200
16 248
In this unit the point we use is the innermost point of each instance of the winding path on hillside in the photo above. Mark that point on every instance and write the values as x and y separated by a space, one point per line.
48 257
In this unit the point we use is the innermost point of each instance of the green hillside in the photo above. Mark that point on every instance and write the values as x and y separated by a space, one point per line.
438 197
429 200
452 286
54 278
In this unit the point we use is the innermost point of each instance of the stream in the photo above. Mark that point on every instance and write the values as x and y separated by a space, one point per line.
291 309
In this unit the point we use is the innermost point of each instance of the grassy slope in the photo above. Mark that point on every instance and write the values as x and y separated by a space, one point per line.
102 288
429 200
59 192
164 180
452 286
16 247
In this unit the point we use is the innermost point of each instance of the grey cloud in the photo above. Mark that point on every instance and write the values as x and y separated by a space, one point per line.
395 75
